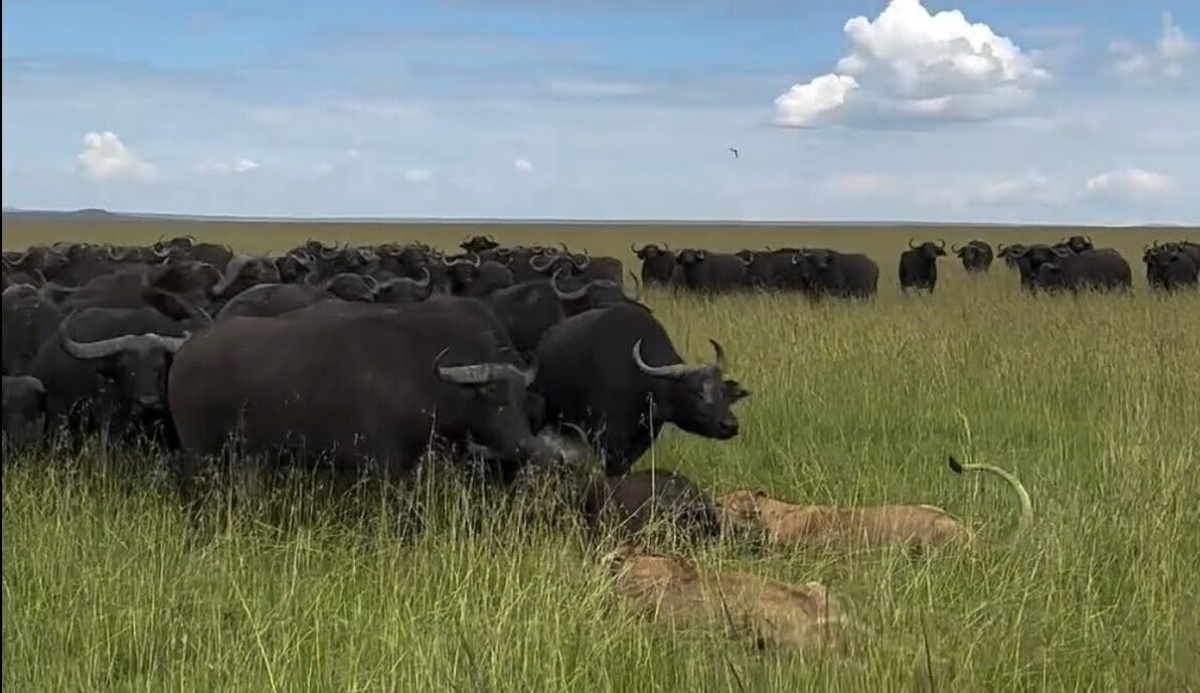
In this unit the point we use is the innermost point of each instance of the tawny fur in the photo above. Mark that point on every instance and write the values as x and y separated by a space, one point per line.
785 524
779 523
803 617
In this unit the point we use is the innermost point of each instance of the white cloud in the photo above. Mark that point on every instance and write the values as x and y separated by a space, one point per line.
909 63
1131 184
226 168
1165 59
1031 187
105 157
417 176
523 166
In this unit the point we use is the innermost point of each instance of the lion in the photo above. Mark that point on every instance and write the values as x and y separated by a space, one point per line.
917 527
803 617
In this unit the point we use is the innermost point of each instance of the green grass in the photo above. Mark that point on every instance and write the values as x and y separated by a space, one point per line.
1093 402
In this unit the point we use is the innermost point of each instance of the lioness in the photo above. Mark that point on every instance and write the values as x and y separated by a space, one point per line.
781 523
805 617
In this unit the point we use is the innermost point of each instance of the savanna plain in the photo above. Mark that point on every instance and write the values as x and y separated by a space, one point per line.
1093 401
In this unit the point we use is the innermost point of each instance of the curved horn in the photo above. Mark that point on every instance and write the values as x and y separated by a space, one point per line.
719 351
748 259
580 264
956 248
567 295
637 288
635 250
1061 252
422 283
418 283
232 272
677 370
371 282
480 373
942 243
565 249
578 430
107 347
549 260
163 252
910 244
475 259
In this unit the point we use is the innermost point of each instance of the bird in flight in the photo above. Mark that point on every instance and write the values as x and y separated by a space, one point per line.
735 152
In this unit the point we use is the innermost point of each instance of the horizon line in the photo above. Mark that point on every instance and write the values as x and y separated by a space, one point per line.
94 214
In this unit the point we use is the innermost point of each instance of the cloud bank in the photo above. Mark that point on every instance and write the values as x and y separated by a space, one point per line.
944 116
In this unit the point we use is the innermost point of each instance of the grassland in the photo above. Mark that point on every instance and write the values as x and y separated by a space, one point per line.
1093 402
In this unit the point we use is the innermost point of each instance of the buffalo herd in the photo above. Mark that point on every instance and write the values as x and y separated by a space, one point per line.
366 358
1072 264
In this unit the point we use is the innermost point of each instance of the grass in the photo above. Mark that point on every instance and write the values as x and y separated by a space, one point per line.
1091 401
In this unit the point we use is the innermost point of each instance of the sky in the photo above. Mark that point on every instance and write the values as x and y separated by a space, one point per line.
969 110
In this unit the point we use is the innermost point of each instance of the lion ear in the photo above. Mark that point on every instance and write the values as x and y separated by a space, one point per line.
760 493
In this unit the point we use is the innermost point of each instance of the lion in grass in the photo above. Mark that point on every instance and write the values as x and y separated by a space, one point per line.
919 527
802 617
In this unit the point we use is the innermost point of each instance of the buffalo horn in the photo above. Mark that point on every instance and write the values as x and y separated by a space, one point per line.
567 295
107 347
481 373
677 370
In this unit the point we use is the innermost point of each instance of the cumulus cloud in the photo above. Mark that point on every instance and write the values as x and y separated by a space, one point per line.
226 168
910 63
416 176
105 157
1131 184
523 166
1165 59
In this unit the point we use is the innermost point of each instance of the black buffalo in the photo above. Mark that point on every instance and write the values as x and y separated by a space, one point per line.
106 369
918 265
658 264
1170 266
366 387
28 320
628 504
614 373
1100 270
703 271
976 255
24 411
823 272
269 300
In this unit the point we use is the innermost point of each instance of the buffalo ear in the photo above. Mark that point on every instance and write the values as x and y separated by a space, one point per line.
734 390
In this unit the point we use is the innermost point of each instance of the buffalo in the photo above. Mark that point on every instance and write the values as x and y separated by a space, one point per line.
368 392
615 373
106 369
24 410
976 256
918 265
658 263
1100 270
1170 266
823 272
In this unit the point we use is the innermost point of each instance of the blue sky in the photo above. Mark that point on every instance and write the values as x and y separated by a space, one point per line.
975 110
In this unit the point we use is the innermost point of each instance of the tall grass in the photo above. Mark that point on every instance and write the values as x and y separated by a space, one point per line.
1094 402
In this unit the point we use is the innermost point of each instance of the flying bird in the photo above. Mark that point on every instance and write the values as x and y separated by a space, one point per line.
735 154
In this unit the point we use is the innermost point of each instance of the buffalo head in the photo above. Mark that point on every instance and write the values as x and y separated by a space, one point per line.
695 397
